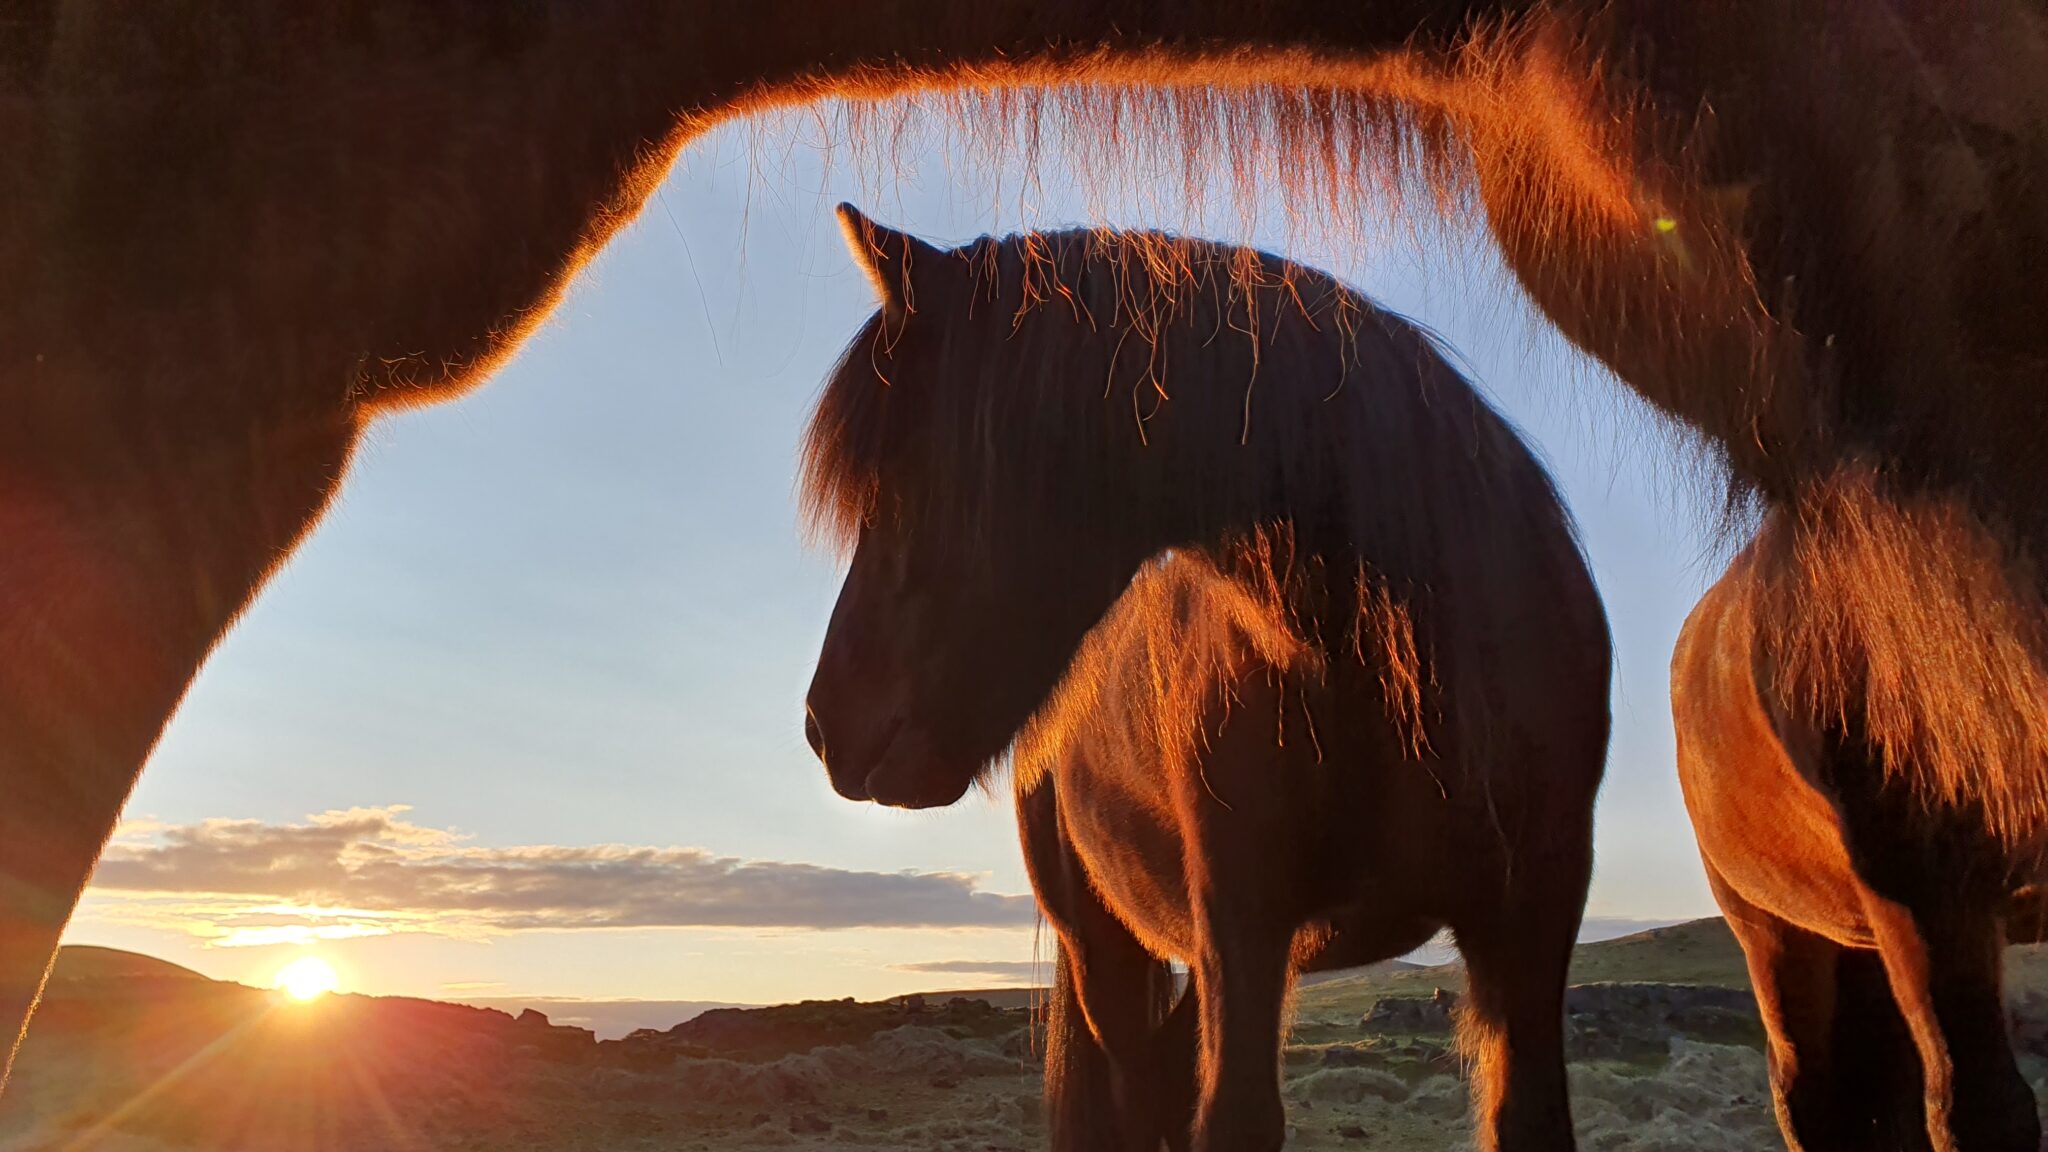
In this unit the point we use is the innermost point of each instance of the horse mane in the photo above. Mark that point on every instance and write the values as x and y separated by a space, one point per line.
1317 452
1345 145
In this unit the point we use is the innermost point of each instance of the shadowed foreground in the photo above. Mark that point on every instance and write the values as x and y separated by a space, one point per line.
1663 1039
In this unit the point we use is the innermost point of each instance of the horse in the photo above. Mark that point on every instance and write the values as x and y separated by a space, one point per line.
1873 913
1288 633
234 233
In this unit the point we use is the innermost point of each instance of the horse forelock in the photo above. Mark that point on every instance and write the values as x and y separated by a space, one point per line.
840 458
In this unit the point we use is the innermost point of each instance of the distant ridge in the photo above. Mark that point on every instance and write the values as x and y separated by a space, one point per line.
610 1019
1700 952
89 963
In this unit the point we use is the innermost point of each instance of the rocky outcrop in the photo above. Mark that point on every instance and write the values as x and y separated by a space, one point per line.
1639 1021
1602 1021
1410 1015
764 1034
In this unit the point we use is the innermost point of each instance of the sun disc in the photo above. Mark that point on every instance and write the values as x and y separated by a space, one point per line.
307 978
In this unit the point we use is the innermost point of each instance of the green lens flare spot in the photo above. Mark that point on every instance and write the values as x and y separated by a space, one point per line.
1665 224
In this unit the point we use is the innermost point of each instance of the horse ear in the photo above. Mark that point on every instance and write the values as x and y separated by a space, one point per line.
888 257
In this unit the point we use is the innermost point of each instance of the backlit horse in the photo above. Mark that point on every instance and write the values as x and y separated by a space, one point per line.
1873 908
1304 657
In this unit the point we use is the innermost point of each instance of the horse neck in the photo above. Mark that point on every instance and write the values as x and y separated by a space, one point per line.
421 184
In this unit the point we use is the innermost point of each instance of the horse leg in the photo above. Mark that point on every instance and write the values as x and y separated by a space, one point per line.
57 814
1511 1023
1080 1096
1124 991
1793 973
1177 1043
1104 1077
1944 967
1241 981
1877 1068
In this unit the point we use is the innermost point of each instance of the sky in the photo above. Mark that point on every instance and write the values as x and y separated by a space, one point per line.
523 716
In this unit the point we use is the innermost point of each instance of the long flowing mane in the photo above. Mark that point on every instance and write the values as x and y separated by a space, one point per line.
1115 386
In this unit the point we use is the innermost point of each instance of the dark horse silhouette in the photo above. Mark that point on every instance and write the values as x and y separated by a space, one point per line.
233 232
1873 915
1310 660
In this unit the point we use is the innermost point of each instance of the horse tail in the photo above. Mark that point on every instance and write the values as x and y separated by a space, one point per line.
1080 1101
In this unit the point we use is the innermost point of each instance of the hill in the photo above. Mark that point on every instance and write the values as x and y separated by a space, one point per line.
130 1054
86 964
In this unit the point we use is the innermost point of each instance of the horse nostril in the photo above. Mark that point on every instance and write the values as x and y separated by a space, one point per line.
812 734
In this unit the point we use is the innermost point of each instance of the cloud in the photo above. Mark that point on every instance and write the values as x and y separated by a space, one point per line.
370 871
1007 971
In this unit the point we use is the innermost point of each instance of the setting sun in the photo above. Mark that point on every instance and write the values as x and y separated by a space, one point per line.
307 978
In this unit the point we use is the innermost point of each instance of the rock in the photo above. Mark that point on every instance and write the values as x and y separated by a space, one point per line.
1411 1015
1351 1132
1411 1059
2029 1015
1638 1021
810 1123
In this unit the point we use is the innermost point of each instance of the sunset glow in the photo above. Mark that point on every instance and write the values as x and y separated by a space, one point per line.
307 978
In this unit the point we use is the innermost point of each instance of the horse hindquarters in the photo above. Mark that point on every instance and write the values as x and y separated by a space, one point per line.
1843 886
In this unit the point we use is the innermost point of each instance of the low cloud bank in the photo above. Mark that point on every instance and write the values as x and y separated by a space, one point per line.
371 871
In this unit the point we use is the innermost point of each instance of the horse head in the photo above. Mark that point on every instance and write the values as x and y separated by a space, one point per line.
969 588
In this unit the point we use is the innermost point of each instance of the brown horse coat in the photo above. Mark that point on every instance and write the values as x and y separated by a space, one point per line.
1872 910
1288 631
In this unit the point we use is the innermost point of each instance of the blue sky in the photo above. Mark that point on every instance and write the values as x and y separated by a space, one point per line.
568 622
